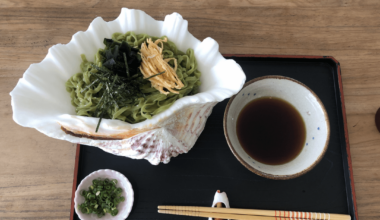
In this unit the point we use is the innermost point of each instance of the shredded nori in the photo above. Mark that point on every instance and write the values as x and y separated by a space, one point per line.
120 76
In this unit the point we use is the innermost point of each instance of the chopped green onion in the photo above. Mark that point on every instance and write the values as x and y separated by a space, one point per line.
101 198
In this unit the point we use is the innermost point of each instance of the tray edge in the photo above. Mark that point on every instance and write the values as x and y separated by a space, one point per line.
75 179
352 182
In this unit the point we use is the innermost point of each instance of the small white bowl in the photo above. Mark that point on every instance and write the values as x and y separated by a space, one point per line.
122 182
309 106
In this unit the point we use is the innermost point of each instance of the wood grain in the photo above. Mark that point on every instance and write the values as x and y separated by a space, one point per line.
36 171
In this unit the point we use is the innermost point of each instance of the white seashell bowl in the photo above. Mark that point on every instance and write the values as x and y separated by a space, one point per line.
308 105
122 182
40 99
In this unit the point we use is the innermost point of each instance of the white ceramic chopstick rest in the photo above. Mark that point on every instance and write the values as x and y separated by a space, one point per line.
220 197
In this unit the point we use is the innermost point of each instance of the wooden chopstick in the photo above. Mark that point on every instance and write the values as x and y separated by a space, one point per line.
196 210
218 205
219 215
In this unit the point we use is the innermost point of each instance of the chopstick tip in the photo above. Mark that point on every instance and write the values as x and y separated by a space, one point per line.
163 211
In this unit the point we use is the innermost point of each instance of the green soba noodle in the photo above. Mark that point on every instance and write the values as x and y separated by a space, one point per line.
142 108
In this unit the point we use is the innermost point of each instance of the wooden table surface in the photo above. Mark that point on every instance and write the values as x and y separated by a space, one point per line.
36 172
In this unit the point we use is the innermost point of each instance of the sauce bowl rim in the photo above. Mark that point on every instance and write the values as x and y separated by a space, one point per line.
261 173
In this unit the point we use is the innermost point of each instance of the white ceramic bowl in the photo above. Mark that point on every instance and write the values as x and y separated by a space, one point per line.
309 106
40 99
122 182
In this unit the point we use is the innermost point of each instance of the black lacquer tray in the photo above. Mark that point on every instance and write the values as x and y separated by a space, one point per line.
192 179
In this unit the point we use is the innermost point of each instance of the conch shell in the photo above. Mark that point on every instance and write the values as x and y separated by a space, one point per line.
40 99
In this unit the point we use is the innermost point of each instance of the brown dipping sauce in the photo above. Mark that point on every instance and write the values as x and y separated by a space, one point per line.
271 130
